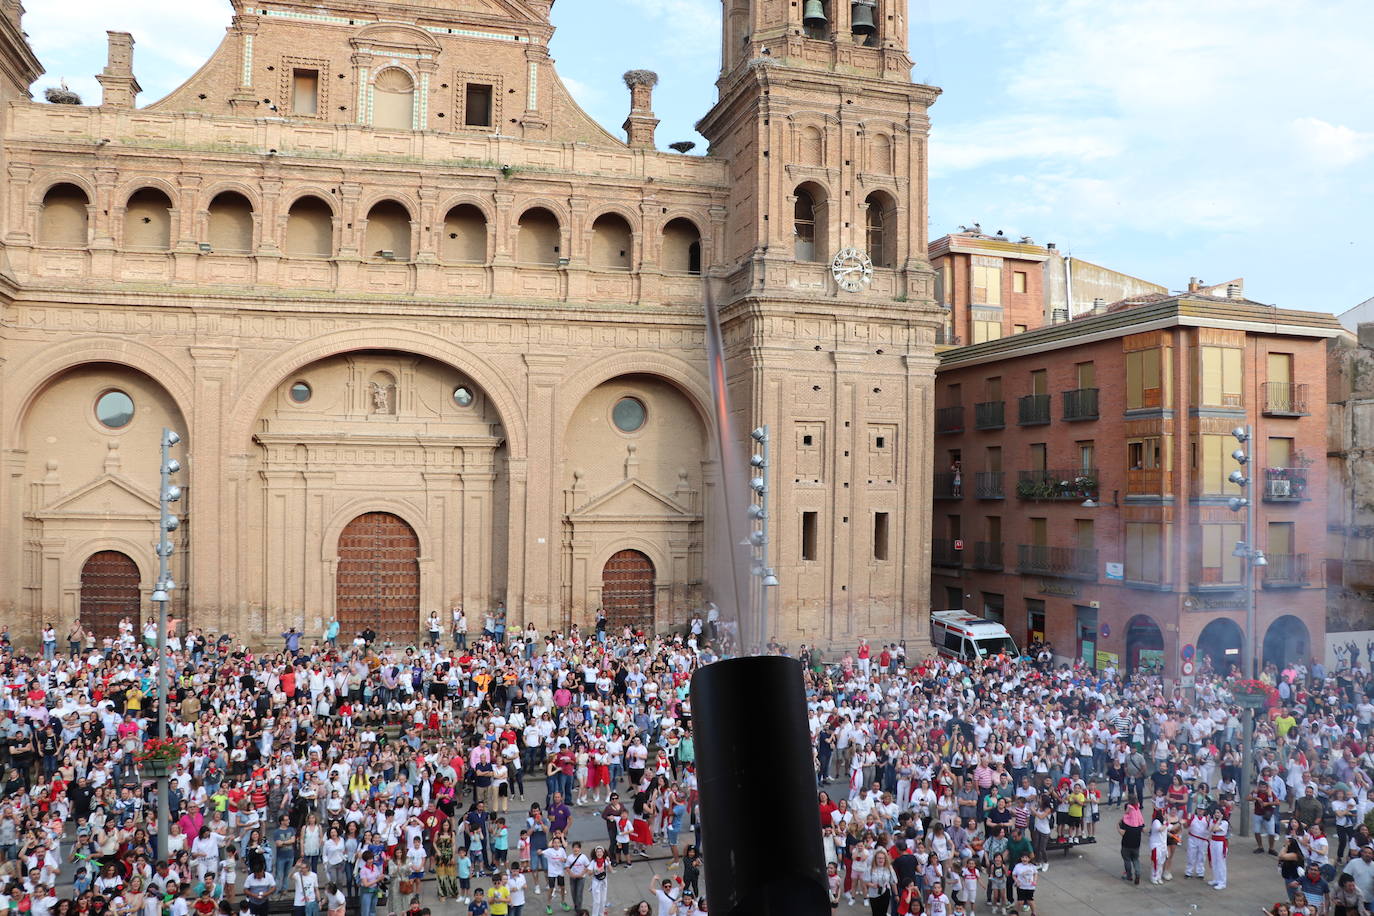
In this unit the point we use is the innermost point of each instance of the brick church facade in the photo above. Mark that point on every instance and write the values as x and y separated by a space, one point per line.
432 336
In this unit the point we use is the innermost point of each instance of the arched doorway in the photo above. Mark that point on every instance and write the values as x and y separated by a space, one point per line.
627 591
378 583
109 592
1144 645
1220 643
1287 642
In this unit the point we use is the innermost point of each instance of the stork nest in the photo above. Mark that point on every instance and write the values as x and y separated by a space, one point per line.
635 78
61 96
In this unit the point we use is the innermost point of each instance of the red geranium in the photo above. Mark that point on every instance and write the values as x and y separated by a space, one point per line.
167 750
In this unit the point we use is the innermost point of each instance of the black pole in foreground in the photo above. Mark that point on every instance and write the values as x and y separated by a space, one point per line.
760 824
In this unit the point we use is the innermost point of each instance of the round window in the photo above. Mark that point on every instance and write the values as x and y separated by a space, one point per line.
629 415
462 396
301 392
114 409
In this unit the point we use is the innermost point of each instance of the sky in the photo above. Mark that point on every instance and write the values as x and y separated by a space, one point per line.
1163 138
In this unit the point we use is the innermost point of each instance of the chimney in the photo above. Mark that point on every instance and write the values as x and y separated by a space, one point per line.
641 124
1234 291
1194 284
117 79
1099 304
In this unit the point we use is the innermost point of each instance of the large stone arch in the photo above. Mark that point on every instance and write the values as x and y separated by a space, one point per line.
32 375
687 377
264 378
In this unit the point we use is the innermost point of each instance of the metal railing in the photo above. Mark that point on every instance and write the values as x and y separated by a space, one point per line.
990 415
942 553
1080 404
990 485
1076 483
1033 409
1286 569
948 485
1285 399
949 419
987 555
1285 485
1062 562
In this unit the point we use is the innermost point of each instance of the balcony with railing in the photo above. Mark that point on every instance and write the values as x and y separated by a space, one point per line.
1285 399
1059 562
1041 486
1033 410
1286 570
987 555
990 485
990 415
948 485
942 553
1149 483
1080 404
1285 485
945 337
949 419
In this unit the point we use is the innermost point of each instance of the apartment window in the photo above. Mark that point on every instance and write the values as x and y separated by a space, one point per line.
954 597
1220 383
1280 541
1087 452
477 107
1039 531
305 92
1144 453
1083 533
1040 381
994 528
1218 546
994 388
1145 552
944 285
880 535
1018 329
1085 374
984 331
1039 456
987 280
1215 463
993 458
1018 281
1279 452
1035 619
808 535
1144 379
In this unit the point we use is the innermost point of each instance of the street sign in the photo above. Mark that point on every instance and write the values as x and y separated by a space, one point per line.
1188 652
958 544
1187 669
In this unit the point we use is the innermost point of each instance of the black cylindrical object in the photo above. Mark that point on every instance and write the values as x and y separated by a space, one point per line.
760 823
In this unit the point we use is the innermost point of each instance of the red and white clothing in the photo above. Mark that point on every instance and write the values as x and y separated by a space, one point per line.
1217 848
1199 834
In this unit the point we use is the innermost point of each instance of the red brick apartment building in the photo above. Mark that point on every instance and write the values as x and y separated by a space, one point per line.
1081 486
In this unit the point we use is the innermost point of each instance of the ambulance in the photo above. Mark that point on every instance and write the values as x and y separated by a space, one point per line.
965 636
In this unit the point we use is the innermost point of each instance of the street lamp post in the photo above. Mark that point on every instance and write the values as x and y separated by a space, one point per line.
1253 558
758 512
168 493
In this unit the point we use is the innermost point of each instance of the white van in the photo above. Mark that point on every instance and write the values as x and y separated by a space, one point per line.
965 636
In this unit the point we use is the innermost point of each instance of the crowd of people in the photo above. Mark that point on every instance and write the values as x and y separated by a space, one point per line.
331 771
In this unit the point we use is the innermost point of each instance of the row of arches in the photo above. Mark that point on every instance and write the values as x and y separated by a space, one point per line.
811 225
1286 641
311 231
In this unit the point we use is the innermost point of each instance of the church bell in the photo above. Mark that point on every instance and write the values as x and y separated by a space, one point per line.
813 17
862 17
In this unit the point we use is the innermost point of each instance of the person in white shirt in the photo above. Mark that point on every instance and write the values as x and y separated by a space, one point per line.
517 882
306 888
1219 830
555 863
1025 876
577 868
667 894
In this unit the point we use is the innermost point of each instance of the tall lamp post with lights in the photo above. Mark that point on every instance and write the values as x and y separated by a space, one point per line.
1254 558
758 512
168 493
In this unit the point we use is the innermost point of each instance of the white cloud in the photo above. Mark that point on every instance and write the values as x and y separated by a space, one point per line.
684 29
1022 136
1332 145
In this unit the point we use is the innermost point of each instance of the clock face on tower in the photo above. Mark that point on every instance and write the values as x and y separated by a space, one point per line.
852 269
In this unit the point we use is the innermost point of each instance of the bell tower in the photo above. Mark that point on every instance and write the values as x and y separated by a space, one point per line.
825 292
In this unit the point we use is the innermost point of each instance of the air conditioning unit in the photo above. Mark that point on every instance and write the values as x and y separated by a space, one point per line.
1280 487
